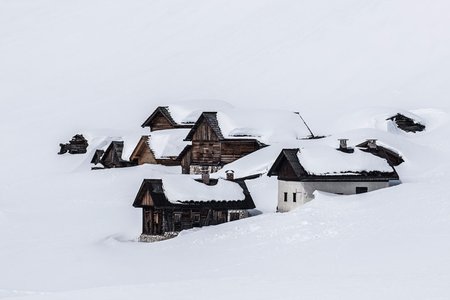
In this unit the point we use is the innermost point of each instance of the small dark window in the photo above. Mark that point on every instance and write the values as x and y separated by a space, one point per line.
177 218
234 216
285 197
196 218
294 197
362 189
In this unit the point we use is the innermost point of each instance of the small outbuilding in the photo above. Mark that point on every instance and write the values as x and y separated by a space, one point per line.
406 123
175 203
161 119
77 145
112 156
302 171
371 146
161 147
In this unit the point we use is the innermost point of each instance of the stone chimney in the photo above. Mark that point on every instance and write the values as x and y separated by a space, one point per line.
230 174
205 178
372 143
343 144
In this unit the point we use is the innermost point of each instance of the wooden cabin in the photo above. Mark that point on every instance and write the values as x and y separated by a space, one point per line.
210 150
172 205
162 147
77 145
406 123
301 172
161 119
112 156
393 158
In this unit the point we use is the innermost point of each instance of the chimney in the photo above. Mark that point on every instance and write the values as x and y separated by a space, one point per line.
205 178
372 143
343 144
230 174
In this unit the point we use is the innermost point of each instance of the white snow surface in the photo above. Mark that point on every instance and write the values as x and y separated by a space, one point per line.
187 112
184 188
268 126
324 160
97 67
168 143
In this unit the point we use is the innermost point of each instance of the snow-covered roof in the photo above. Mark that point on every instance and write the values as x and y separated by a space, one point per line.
325 160
267 126
187 112
168 143
184 188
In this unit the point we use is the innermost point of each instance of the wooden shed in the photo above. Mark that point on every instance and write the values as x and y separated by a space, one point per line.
112 156
161 119
173 205
77 145
406 123
160 147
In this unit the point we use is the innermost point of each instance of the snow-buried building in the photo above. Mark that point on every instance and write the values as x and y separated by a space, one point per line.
160 147
219 138
175 203
302 171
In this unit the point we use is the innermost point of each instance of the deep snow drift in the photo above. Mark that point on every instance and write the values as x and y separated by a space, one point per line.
100 67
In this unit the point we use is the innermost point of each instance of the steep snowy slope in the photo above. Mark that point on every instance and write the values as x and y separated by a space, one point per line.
100 67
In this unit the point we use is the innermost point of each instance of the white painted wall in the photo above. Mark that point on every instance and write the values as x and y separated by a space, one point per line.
305 190
291 187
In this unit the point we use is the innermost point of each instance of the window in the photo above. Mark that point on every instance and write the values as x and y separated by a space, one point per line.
361 189
234 216
196 218
294 197
285 197
177 218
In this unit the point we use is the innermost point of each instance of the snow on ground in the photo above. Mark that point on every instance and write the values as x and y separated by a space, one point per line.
70 67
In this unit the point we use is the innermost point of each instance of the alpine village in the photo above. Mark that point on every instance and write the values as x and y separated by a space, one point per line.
215 149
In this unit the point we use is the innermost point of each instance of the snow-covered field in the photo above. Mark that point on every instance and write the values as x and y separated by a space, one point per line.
100 67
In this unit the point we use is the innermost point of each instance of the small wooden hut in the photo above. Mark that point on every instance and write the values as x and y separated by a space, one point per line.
77 145
112 156
176 204
406 123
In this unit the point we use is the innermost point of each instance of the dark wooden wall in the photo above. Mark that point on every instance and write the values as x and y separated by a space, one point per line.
233 150
160 122
159 221
286 172
208 149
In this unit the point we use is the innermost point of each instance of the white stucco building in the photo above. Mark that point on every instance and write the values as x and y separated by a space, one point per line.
342 171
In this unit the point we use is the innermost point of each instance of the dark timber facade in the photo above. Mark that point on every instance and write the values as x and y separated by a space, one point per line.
160 216
210 150
407 124
112 156
161 119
